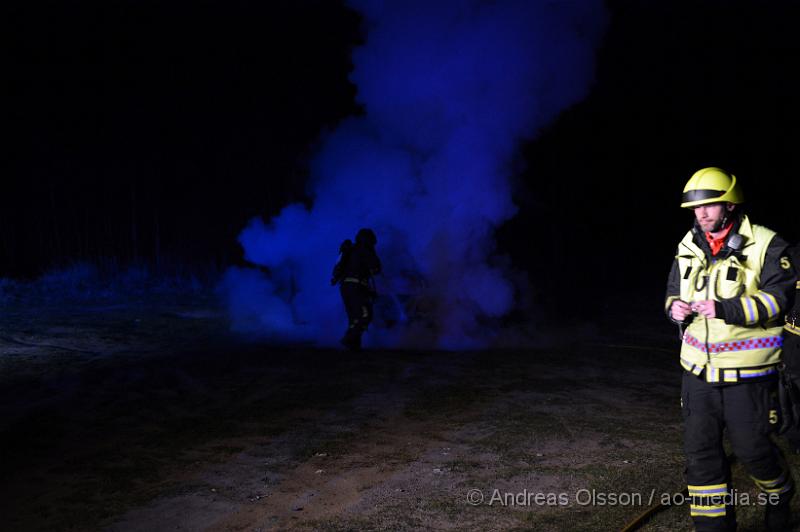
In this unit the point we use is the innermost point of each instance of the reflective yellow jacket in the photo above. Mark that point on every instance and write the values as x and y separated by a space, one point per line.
750 283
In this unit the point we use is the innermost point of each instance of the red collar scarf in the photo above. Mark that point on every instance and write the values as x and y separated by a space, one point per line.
717 243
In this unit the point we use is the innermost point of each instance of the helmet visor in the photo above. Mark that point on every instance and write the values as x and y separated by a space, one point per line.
700 195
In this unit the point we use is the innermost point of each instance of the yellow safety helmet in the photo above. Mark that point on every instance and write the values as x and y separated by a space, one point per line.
711 185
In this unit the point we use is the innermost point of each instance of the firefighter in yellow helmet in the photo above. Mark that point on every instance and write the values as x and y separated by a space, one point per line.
728 290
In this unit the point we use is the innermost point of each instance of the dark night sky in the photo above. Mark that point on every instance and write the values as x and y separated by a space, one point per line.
159 128
188 117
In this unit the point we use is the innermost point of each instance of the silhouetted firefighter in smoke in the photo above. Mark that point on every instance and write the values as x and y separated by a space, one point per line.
354 272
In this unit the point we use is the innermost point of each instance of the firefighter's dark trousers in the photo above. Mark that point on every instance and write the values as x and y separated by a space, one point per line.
357 300
747 411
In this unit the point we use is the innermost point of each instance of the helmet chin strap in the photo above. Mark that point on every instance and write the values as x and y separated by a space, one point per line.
719 226
723 222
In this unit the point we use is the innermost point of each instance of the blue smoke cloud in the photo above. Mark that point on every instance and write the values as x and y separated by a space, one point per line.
450 90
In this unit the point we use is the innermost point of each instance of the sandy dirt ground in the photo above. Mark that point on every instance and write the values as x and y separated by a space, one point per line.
138 418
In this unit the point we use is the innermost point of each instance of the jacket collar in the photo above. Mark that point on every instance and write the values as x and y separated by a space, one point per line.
695 242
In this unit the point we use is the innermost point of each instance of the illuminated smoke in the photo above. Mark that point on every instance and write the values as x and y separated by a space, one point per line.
450 91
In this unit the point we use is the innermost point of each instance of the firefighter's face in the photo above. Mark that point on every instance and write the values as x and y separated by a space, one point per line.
711 216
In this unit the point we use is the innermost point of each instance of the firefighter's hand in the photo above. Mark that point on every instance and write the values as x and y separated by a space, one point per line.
705 308
680 310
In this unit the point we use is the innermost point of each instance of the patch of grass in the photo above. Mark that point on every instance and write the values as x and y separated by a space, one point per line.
444 402
512 434
447 508
462 465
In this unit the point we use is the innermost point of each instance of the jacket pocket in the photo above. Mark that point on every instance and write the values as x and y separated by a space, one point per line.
729 281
